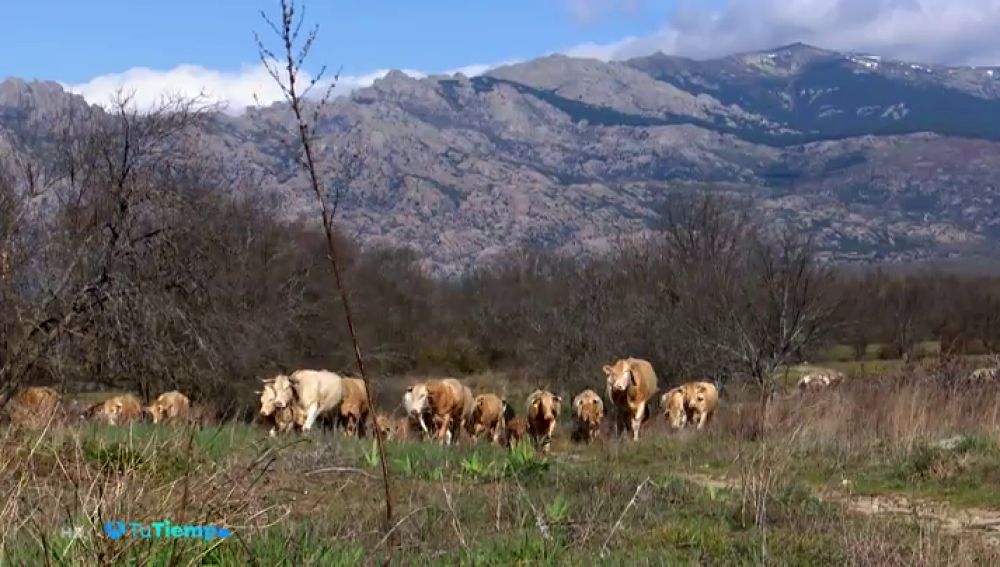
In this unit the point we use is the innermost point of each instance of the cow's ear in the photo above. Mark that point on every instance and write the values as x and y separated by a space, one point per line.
558 399
257 392
607 369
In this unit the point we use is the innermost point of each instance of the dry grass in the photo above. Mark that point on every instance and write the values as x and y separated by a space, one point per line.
305 500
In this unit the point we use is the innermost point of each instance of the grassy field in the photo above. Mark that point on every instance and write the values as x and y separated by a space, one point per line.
729 495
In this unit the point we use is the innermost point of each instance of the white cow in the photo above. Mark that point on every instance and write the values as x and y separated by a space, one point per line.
314 392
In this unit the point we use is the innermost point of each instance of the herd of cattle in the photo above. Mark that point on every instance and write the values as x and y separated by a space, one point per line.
435 409
442 408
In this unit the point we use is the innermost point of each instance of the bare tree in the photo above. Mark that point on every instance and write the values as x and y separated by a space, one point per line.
757 305
285 67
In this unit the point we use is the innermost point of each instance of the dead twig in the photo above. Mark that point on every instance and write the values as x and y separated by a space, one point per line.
621 518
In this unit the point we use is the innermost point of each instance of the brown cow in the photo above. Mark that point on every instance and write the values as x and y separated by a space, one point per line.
354 407
693 402
446 400
487 417
588 409
517 429
543 412
117 410
631 383
171 406
34 407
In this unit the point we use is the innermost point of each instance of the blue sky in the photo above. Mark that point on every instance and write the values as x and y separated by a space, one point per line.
95 47
73 41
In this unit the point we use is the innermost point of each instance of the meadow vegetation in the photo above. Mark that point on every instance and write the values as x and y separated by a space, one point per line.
727 495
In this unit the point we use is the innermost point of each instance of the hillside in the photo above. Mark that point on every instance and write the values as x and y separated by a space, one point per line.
878 159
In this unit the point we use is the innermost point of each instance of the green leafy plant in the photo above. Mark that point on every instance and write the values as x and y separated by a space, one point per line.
475 467
405 465
523 460
370 455
557 509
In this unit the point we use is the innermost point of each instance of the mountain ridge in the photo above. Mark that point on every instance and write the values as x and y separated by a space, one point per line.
879 160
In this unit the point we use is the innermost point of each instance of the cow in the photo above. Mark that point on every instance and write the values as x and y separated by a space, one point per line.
672 403
543 412
819 380
517 429
588 409
281 419
983 375
701 399
448 403
34 406
693 402
487 417
116 410
387 427
314 392
354 407
170 406
631 383
417 409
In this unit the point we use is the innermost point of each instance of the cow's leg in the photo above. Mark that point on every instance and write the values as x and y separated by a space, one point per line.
423 425
444 431
637 420
310 417
702 416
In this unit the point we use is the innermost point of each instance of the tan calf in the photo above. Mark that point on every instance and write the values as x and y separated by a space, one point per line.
693 402
631 383
487 417
34 407
673 408
171 406
517 429
354 407
588 409
280 419
117 410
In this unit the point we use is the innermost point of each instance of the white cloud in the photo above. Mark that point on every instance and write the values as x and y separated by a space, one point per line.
236 90
940 31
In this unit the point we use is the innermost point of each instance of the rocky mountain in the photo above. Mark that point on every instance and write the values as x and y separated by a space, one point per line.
879 159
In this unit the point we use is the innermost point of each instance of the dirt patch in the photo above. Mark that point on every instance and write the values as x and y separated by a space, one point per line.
978 521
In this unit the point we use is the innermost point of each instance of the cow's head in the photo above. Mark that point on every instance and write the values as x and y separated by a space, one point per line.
284 393
384 426
620 376
416 400
673 408
156 410
267 398
112 411
589 408
544 404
